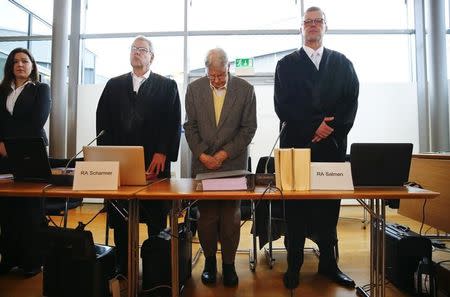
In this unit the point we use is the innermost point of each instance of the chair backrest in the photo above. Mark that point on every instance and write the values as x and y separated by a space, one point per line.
260 168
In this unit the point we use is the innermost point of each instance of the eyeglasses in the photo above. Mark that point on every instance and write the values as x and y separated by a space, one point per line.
318 21
141 50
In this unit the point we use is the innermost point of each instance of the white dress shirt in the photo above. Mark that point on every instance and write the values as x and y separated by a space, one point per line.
138 80
314 55
12 98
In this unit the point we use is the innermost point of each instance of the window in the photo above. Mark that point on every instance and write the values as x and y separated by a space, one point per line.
41 8
239 15
134 16
13 21
376 58
265 49
357 14
111 57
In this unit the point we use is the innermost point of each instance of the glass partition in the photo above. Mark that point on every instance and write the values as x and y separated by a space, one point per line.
134 16
239 15
106 58
357 14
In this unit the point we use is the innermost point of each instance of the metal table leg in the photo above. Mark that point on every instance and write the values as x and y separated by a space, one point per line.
174 247
376 209
133 247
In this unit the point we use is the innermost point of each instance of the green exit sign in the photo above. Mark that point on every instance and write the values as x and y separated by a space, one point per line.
244 63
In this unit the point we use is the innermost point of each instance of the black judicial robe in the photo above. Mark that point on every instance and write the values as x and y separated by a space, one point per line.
151 118
303 97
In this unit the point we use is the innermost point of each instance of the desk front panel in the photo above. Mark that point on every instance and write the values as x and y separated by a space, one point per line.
432 172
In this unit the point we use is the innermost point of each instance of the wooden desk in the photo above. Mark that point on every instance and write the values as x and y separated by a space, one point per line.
431 171
179 189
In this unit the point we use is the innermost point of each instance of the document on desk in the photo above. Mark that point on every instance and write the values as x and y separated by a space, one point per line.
220 174
6 176
225 184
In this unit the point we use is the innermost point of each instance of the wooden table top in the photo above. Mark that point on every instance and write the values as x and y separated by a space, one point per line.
184 188
9 188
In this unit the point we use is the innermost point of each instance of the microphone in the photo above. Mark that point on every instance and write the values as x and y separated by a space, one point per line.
66 179
266 178
71 159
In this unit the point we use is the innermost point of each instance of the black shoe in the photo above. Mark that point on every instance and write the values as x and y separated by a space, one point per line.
230 278
338 277
210 271
30 272
291 280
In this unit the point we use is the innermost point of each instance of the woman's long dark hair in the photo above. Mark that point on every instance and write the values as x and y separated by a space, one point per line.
5 85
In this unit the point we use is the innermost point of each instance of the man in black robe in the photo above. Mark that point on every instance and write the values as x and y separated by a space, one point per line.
316 94
141 108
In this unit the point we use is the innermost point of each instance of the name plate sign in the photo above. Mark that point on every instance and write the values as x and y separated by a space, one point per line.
331 176
96 175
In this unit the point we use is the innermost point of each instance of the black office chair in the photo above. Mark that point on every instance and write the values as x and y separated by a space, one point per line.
269 216
270 219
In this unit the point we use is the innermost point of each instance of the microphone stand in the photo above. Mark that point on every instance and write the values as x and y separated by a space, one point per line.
265 179
66 179
71 159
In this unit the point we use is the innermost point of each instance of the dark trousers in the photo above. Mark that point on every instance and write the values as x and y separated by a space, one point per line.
153 213
317 220
21 219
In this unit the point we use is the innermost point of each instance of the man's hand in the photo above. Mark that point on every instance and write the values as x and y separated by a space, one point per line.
324 130
158 164
210 162
3 150
221 156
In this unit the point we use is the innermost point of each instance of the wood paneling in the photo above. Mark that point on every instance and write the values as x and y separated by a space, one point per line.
433 173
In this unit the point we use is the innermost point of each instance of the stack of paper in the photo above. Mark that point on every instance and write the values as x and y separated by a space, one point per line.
292 169
225 184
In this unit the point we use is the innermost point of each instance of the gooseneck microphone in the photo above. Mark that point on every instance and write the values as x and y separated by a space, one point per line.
283 125
71 159
265 179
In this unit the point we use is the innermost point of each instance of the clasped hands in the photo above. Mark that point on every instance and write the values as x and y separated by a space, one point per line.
324 130
213 162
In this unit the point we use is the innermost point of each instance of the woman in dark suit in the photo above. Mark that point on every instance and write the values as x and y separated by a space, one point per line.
24 109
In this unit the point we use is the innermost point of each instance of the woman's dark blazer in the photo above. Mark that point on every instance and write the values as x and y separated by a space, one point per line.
30 113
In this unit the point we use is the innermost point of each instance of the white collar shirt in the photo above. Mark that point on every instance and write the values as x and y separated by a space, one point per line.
12 97
314 55
220 91
138 80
